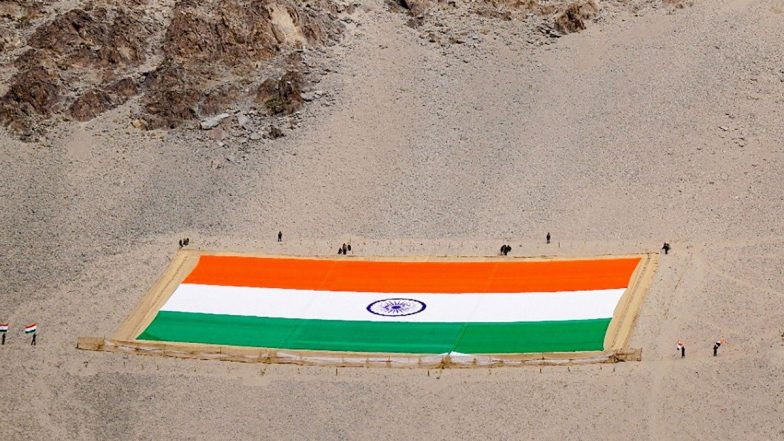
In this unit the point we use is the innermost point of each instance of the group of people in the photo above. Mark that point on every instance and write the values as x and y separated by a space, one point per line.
343 249
506 249
31 329
681 347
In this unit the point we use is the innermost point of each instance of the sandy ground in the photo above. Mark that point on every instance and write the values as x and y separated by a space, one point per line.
643 128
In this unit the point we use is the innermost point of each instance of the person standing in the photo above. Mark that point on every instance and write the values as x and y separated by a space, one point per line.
682 348
666 248
31 329
280 236
548 237
716 346
3 331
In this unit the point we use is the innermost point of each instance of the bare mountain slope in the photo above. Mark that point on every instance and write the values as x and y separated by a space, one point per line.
176 61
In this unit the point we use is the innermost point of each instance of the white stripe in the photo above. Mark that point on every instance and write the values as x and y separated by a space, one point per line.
339 305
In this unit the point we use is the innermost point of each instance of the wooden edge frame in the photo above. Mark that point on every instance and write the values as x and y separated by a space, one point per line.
628 309
124 339
141 316
350 359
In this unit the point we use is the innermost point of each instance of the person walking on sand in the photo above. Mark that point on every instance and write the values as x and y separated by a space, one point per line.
280 236
548 237
666 248
681 347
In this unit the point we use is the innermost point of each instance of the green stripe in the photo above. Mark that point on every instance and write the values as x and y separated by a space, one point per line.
364 336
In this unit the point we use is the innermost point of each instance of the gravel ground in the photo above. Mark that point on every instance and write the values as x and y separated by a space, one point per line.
665 124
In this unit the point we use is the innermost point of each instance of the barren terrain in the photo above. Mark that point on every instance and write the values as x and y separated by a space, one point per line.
449 134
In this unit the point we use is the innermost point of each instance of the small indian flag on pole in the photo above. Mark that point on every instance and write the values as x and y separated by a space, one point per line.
3 327
31 328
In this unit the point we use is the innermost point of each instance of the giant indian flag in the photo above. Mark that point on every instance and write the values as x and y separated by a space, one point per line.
502 306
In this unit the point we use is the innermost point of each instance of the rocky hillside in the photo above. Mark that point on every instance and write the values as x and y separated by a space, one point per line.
178 60
175 61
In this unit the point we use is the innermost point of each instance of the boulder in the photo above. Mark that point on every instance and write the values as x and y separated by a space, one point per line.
212 122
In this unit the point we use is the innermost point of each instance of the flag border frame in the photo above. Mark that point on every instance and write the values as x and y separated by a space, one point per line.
616 340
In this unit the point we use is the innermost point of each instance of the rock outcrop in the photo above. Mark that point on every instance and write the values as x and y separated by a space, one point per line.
181 62
574 16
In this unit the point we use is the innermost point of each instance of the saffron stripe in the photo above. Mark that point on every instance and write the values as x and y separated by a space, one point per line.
414 277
